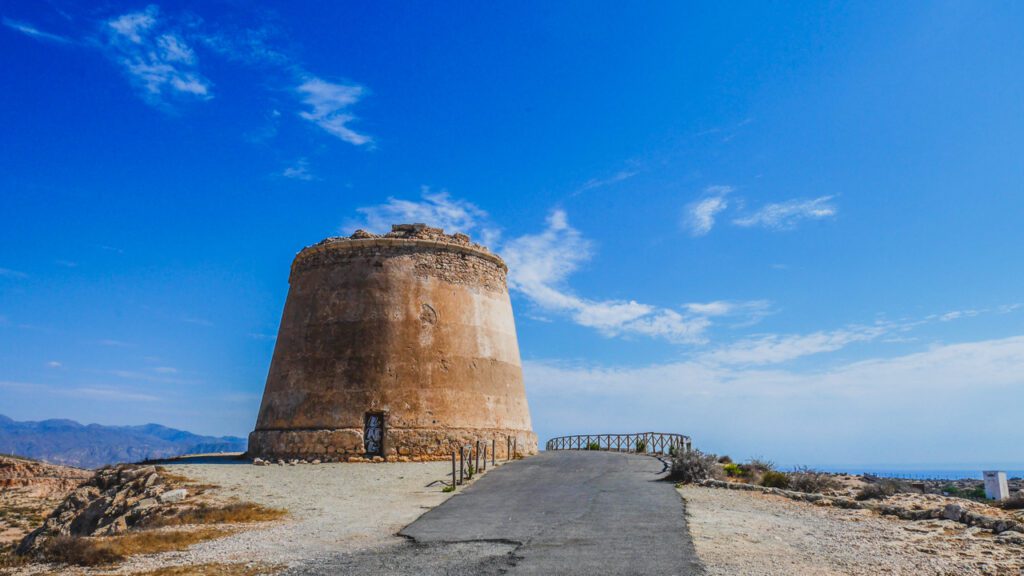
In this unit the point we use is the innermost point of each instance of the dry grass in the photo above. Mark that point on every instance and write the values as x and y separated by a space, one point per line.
98 551
214 569
172 477
235 513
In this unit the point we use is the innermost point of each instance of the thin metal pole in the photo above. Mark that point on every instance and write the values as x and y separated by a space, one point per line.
477 469
514 449
462 460
485 456
453 469
494 444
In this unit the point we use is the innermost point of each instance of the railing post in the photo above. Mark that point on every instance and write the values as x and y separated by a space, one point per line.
477 469
494 444
515 449
462 463
453 469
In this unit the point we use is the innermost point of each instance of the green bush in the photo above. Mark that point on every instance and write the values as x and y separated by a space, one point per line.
594 446
641 445
734 470
773 479
724 459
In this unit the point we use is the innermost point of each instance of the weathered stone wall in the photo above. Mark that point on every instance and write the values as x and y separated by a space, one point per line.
399 445
416 325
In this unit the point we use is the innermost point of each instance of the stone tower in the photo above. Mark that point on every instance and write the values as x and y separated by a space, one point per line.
395 345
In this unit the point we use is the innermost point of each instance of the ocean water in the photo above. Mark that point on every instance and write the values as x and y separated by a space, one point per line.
921 474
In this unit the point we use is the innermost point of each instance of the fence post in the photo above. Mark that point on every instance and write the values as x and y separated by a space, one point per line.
462 463
453 469
515 450
494 444
508 448
477 469
485 456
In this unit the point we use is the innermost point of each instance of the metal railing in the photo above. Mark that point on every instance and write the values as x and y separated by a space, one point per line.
471 459
639 443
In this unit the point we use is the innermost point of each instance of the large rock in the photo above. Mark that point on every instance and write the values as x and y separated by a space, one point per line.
112 501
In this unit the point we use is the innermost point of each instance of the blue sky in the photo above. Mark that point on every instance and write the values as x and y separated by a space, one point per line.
788 232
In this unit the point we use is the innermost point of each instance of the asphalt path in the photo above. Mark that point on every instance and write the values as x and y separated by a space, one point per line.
564 512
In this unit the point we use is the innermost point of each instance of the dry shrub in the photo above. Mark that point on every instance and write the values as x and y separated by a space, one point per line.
693 466
883 489
8 559
213 569
804 479
1015 503
92 551
235 513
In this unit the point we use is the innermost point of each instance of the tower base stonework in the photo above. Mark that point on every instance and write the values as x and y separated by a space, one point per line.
416 444
394 347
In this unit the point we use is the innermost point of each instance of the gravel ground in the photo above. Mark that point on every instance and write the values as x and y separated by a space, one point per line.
332 508
737 532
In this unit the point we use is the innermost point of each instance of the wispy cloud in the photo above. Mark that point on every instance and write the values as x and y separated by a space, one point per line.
54 364
700 216
157 60
328 108
619 176
786 215
107 393
30 30
110 393
539 265
778 348
12 274
114 343
437 209
299 171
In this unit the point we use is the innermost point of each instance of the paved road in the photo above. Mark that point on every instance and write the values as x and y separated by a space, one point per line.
590 513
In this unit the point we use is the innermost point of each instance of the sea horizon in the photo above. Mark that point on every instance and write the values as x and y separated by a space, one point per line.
924 473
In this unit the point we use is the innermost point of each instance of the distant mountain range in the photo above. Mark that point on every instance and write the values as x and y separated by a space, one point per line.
69 443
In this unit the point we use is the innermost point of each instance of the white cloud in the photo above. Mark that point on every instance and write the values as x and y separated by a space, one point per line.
34 32
539 265
778 348
786 215
54 364
13 274
917 405
299 171
437 209
700 215
158 61
329 104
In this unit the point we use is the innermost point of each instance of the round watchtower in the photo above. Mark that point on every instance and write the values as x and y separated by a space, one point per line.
400 345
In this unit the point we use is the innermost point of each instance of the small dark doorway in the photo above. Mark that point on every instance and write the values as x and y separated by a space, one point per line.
373 434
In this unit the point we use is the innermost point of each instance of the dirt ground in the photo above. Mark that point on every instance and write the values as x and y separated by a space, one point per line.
739 532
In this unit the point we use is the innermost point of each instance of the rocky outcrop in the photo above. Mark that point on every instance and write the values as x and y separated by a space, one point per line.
923 507
38 477
112 501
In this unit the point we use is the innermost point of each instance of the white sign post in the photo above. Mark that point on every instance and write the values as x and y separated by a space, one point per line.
995 485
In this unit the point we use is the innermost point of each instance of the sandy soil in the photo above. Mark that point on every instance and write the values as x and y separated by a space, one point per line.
750 533
333 508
